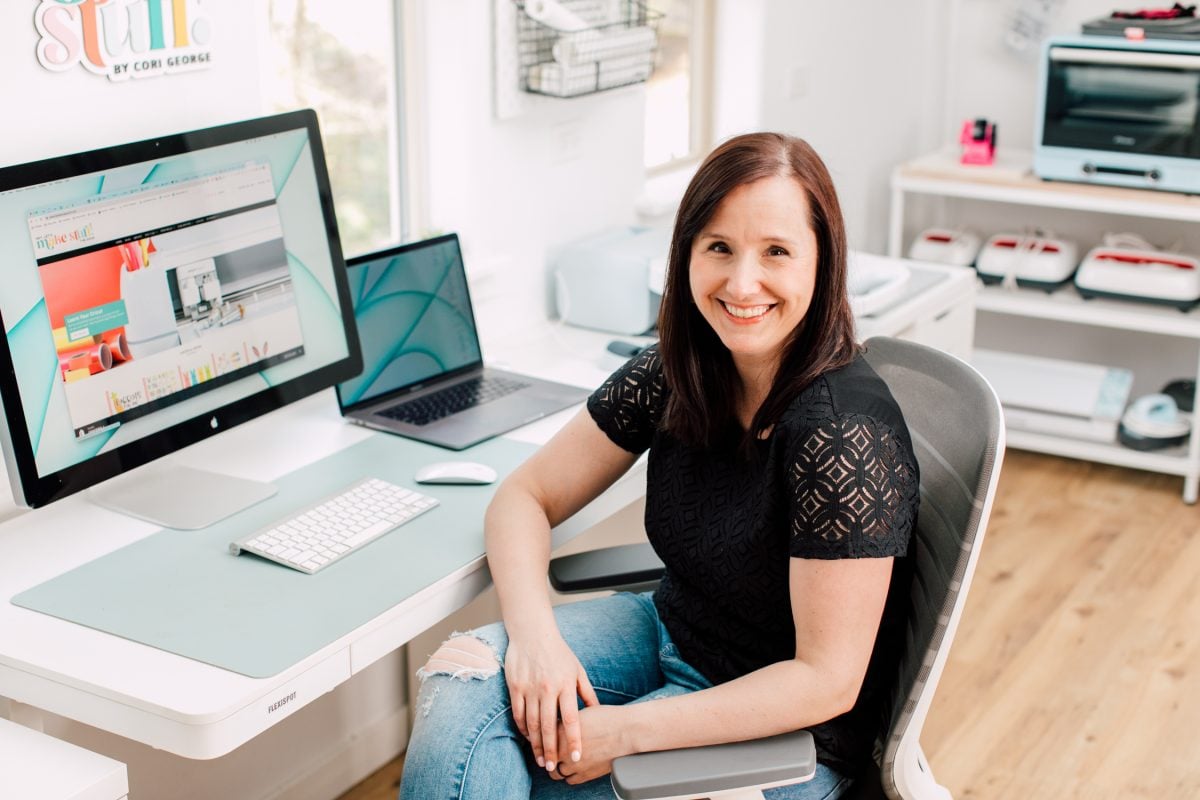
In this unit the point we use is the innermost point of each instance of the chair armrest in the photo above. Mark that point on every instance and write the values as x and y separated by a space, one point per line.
700 771
631 567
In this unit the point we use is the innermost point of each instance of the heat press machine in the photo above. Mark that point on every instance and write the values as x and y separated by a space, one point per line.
1153 422
1031 260
1144 275
945 246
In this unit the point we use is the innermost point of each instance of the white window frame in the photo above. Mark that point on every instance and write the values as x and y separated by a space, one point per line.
413 178
701 52
399 189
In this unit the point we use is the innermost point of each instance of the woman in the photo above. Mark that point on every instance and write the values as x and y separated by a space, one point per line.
781 494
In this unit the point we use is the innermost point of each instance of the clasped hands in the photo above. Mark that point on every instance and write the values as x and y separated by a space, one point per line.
545 679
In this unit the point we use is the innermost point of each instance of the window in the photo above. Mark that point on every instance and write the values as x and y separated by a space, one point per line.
677 94
343 64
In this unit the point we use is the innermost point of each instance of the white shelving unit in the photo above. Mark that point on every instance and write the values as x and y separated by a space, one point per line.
1011 181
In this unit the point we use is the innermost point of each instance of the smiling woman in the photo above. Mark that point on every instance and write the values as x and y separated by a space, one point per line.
781 490
752 273
755 289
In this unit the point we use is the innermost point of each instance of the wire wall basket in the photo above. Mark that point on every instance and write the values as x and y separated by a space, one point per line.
572 48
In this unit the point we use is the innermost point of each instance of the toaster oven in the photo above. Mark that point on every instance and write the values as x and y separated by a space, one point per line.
1120 112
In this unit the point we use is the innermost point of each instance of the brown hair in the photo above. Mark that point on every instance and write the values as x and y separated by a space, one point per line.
698 368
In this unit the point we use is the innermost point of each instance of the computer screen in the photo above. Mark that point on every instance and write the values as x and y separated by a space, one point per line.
414 317
158 292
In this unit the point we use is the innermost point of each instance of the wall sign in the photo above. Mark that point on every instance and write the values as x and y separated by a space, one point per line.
123 38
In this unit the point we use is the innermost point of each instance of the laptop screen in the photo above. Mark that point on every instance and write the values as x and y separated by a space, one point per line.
414 317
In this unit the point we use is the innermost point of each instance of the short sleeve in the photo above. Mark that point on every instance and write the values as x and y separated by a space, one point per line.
854 490
628 405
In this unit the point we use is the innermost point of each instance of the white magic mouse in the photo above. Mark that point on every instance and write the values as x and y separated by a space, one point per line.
467 472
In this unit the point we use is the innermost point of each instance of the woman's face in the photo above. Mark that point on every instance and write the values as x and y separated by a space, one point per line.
753 270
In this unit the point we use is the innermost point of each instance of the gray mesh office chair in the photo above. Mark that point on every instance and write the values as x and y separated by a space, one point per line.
958 433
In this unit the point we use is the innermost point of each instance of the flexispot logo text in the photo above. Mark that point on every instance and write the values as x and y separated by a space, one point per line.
52 241
123 38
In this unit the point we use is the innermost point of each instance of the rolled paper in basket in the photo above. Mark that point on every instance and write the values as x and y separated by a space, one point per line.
96 358
621 71
533 78
117 345
572 49
554 79
554 15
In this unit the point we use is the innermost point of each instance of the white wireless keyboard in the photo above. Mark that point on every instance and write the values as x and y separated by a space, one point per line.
316 537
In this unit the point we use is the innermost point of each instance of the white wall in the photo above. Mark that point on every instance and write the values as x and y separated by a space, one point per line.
871 93
514 189
865 91
987 77
868 94
328 746
52 113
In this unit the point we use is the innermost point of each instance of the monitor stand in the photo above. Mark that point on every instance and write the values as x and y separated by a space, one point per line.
176 496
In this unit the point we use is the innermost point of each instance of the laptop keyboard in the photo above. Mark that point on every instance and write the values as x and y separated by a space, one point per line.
451 400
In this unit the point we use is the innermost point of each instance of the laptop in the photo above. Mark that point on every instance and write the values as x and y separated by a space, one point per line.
423 374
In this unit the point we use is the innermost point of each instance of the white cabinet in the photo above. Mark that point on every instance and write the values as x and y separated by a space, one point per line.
1009 190
34 766
937 309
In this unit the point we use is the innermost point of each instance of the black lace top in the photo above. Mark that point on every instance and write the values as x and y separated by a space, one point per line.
836 478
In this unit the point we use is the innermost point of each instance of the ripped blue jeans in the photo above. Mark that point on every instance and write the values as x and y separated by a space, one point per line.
465 746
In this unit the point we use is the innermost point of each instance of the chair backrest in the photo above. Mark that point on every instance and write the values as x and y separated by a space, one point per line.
957 429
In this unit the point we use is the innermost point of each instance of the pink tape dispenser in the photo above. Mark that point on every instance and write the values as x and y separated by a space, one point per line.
978 140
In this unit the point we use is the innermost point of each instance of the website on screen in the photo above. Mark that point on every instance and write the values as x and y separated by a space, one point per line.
160 293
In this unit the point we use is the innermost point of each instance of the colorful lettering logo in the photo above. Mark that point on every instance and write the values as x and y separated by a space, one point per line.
123 38
52 241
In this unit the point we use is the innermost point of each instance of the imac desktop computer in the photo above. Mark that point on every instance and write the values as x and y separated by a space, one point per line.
158 293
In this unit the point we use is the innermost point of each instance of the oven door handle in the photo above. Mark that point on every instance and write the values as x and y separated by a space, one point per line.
1088 55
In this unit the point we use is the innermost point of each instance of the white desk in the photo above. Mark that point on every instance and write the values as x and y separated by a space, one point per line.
200 711
184 706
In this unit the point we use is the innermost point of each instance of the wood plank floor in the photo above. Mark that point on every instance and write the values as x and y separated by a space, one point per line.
1076 669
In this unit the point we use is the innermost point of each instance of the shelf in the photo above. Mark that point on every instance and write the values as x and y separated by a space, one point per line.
1011 180
1172 461
1066 305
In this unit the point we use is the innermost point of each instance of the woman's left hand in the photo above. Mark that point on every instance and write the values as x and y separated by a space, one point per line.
606 732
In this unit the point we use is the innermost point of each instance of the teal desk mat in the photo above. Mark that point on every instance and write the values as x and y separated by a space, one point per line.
183 592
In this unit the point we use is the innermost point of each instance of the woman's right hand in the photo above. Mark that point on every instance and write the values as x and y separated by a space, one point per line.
544 681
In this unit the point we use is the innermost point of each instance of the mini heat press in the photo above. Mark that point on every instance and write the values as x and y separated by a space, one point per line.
944 246
1034 261
1153 422
978 140
1147 276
